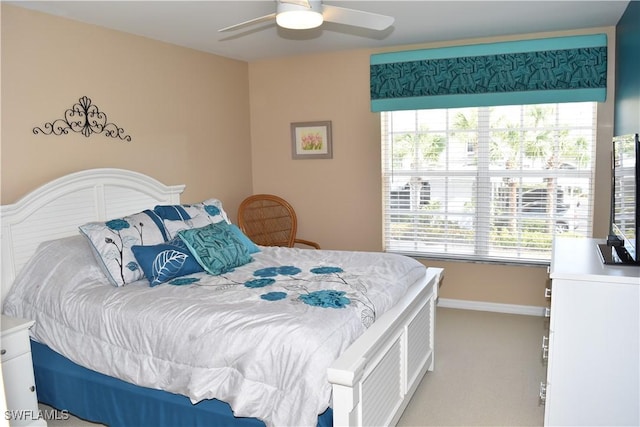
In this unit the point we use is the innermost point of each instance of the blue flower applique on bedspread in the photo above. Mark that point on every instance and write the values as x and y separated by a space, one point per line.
312 287
327 298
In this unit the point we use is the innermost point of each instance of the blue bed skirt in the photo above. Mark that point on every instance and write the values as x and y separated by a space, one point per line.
95 397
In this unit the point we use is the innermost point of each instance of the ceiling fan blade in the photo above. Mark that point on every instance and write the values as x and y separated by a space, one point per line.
250 22
357 18
304 3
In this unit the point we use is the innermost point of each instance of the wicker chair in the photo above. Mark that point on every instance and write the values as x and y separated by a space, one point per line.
269 220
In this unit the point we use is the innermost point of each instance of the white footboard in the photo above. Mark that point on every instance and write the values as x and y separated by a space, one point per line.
375 378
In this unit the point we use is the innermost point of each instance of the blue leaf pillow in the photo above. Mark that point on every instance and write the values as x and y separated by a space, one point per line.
166 261
216 247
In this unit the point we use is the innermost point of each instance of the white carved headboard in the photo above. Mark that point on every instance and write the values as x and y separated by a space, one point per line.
58 208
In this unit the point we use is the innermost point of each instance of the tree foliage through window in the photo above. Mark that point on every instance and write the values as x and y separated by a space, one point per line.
487 183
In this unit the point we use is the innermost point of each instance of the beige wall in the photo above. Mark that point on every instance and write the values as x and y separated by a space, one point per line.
222 127
339 200
186 111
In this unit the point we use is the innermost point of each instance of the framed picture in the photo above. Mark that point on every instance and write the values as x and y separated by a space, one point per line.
311 140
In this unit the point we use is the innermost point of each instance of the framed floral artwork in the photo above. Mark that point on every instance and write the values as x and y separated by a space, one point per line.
311 140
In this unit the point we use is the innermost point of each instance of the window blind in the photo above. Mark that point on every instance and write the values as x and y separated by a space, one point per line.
488 183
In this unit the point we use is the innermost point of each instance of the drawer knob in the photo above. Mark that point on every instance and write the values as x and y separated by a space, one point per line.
32 388
3 352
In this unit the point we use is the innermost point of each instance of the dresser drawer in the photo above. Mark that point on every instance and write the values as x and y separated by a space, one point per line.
14 345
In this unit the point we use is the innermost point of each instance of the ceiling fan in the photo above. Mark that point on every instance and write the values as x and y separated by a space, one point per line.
307 14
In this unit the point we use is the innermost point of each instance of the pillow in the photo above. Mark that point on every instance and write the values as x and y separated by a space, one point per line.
216 247
252 248
57 269
211 208
171 212
166 261
112 240
174 227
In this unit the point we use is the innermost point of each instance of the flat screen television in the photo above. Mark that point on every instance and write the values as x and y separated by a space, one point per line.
623 241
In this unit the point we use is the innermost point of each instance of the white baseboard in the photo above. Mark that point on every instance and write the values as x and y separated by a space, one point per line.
528 310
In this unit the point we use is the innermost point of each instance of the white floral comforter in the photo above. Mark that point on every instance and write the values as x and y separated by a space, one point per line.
260 338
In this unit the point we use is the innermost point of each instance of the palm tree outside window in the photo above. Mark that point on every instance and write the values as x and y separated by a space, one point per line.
488 183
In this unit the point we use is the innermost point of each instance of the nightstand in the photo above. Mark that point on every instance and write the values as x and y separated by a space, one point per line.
17 372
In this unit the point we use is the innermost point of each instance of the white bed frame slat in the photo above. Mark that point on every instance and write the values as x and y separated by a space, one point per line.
382 389
372 381
375 378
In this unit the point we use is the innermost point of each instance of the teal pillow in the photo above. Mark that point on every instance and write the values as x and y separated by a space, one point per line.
173 227
251 247
216 247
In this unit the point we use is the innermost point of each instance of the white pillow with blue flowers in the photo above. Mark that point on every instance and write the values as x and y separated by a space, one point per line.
173 227
212 208
112 241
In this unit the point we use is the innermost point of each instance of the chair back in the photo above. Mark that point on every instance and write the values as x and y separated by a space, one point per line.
268 220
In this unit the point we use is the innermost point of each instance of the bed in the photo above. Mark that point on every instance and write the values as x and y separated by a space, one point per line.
366 378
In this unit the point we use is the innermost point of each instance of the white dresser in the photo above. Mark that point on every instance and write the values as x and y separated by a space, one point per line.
593 368
17 373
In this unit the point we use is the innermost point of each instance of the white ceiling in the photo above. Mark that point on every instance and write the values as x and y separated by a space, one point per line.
195 24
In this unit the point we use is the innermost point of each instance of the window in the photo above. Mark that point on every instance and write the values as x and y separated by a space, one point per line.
487 183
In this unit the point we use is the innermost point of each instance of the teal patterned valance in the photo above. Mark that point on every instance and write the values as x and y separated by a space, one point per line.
562 69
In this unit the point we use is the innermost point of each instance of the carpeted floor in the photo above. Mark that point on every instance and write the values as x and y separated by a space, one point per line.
488 371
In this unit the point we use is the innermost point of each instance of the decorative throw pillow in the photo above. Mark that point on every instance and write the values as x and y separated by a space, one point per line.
211 207
252 248
166 261
171 212
216 247
112 241
174 227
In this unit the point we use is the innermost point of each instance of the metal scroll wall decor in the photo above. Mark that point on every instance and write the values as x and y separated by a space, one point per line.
85 118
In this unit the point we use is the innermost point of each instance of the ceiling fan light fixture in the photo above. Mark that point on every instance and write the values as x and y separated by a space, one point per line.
297 17
307 14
